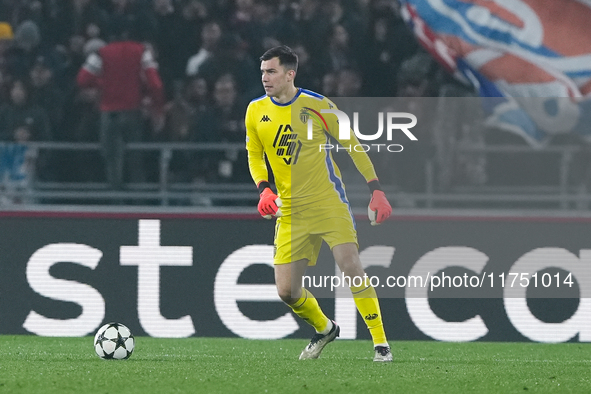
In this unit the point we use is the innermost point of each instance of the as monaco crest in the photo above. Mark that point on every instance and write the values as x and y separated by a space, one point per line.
304 115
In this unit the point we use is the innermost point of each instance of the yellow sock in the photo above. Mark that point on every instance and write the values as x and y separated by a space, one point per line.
368 306
308 309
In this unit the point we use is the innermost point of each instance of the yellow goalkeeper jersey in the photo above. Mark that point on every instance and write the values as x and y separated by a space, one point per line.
303 167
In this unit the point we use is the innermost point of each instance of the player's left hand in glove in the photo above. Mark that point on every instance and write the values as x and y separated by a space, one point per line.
379 208
269 204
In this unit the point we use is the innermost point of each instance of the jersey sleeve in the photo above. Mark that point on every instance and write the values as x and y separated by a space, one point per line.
153 80
93 64
255 149
360 158
88 76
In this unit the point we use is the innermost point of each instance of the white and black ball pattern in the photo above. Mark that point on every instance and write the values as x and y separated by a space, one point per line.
114 341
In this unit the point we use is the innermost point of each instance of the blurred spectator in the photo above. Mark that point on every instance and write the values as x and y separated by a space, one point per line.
70 60
389 41
242 17
341 54
349 17
210 38
223 122
63 19
242 13
16 172
122 69
21 55
173 43
178 114
27 10
6 37
81 106
197 94
309 72
264 28
329 84
86 18
349 83
81 121
136 13
22 120
82 116
417 77
232 58
193 16
227 112
91 46
46 94
188 105
3 94
313 26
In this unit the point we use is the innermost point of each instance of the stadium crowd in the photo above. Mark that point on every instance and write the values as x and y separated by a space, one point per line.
207 54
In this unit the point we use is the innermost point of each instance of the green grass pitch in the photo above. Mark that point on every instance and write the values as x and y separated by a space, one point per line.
31 364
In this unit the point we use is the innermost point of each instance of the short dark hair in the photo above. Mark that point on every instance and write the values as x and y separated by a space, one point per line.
287 57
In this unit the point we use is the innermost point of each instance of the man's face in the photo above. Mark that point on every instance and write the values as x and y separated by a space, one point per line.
18 93
211 34
40 75
224 93
276 79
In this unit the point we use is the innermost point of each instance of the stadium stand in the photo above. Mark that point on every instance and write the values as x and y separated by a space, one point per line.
207 53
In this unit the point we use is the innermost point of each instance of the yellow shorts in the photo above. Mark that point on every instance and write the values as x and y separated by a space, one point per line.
299 235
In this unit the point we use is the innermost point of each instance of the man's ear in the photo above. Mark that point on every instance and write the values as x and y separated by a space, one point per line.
291 74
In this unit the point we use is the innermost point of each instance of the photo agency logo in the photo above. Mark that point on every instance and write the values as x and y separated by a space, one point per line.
367 142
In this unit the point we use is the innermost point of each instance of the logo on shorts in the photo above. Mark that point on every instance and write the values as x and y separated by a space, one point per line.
371 316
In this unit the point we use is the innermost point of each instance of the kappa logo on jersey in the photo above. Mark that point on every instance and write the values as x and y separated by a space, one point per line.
265 118
287 144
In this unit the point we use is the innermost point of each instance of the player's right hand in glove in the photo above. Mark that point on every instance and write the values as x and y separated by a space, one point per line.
379 208
269 204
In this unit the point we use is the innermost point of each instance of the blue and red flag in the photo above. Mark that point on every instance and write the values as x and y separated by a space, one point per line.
532 58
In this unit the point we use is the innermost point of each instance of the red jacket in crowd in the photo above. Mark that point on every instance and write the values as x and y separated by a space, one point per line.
123 71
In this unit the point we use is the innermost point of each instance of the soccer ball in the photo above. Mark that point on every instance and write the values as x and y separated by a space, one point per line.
372 216
114 341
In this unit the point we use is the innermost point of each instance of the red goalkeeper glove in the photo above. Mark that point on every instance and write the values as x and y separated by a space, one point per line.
379 208
269 204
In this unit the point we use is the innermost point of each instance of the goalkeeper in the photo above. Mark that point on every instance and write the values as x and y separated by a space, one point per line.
310 204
